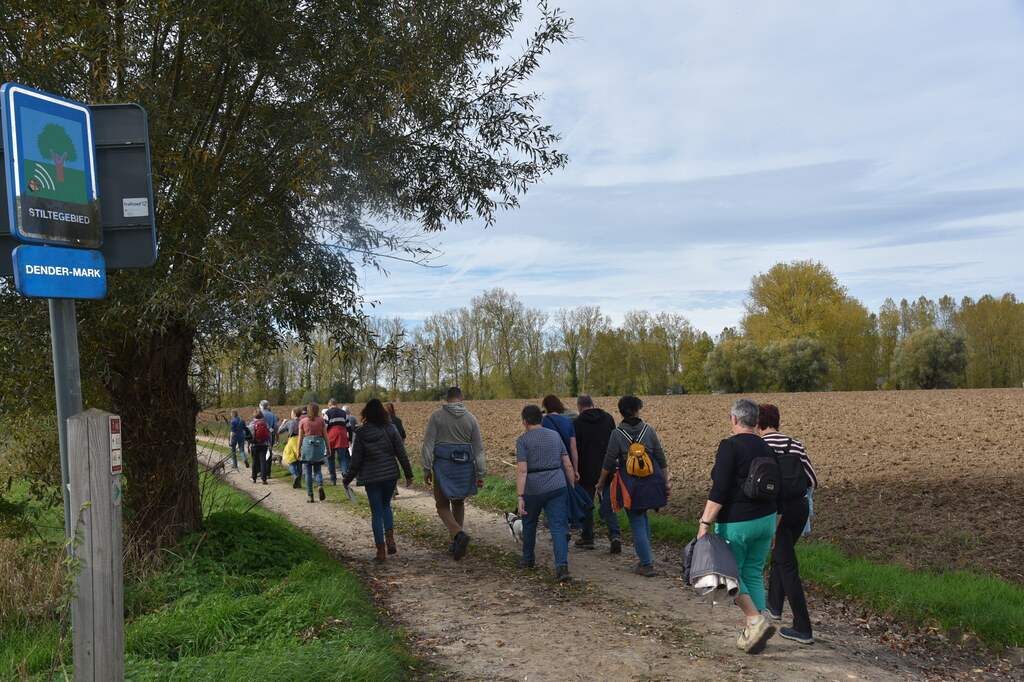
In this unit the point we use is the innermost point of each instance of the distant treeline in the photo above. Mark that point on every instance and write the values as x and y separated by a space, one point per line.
801 332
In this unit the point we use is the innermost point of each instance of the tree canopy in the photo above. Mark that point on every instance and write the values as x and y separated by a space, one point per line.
290 143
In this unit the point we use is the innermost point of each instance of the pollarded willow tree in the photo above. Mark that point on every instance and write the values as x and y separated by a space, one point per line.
282 133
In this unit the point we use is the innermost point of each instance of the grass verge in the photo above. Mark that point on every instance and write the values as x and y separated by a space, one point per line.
248 598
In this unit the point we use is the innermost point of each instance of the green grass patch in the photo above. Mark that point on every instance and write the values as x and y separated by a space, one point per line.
248 598
990 607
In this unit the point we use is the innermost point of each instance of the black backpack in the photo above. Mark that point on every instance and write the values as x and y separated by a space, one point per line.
763 482
792 474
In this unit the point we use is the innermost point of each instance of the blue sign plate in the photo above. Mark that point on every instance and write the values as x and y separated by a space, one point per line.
52 190
56 272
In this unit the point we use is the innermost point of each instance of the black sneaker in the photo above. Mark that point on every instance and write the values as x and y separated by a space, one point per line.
265 483
616 547
297 483
646 570
459 545
772 613
583 543
253 479
562 574
310 499
321 494
802 637
524 563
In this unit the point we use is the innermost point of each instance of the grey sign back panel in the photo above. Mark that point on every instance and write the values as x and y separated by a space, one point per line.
121 135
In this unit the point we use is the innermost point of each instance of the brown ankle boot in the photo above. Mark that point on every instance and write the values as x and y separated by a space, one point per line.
389 541
381 554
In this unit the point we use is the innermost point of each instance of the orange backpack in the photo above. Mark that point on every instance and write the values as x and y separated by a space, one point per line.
638 462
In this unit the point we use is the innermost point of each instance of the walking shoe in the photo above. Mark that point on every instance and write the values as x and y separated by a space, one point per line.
616 547
265 483
585 544
310 499
772 613
253 479
321 494
334 481
562 574
646 570
755 635
459 545
525 563
802 637
296 482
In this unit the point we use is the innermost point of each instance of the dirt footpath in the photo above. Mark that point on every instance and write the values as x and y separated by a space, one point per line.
483 619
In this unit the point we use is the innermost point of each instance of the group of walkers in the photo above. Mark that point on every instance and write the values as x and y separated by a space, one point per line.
562 465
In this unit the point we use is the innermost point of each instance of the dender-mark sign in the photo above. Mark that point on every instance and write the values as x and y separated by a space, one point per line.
52 194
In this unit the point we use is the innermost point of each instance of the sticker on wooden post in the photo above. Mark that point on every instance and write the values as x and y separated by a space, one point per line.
115 444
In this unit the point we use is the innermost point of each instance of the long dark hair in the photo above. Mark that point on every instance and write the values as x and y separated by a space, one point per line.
374 413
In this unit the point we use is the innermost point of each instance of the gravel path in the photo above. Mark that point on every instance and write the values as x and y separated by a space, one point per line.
484 619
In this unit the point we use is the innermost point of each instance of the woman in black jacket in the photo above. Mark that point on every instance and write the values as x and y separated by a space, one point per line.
376 454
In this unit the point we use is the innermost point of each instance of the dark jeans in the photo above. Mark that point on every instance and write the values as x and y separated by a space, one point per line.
260 461
316 473
611 519
381 518
342 463
556 510
238 442
784 580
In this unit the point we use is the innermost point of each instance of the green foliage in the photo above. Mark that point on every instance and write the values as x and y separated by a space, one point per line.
797 364
736 366
32 454
931 358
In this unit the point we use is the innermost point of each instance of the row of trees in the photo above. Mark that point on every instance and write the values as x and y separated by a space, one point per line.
801 332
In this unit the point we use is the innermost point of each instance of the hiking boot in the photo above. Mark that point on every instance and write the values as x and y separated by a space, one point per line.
802 637
616 547
310 499
334 481
562 574
646 570
525 563
381 554
755 635
321 493
772 613
297 482
389 541
459 545
583 543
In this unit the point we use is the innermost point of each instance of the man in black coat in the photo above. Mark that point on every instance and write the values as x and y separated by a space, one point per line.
593 428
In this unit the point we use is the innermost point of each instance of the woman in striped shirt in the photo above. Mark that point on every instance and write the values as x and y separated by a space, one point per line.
784 580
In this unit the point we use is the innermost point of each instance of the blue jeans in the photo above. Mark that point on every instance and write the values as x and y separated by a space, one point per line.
556 509
381 518
296 469
239 442
343 460
610 518
315 466
641 527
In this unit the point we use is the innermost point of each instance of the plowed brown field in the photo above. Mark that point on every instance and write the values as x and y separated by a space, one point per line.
926 479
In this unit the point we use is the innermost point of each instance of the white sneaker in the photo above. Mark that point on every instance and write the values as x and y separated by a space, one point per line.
756 635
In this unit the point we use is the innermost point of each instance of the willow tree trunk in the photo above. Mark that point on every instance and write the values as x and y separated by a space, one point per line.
150 391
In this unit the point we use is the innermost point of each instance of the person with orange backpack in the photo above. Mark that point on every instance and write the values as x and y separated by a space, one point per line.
259 450
638 485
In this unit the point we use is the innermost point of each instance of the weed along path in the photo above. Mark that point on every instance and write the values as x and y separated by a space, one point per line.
484 619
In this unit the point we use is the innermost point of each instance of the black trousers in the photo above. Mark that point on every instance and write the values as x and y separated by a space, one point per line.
260 461
784 580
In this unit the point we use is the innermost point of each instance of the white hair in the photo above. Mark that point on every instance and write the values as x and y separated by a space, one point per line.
264 404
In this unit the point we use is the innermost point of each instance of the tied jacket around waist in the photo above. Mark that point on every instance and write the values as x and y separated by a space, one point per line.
376 456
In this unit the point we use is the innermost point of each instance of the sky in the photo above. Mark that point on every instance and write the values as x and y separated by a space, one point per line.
709 141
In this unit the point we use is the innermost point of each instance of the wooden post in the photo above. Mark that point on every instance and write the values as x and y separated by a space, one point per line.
97 612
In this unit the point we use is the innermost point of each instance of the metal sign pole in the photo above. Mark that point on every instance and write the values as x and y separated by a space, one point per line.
67 380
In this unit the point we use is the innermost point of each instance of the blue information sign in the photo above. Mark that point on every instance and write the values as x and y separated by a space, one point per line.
57 272
52 190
